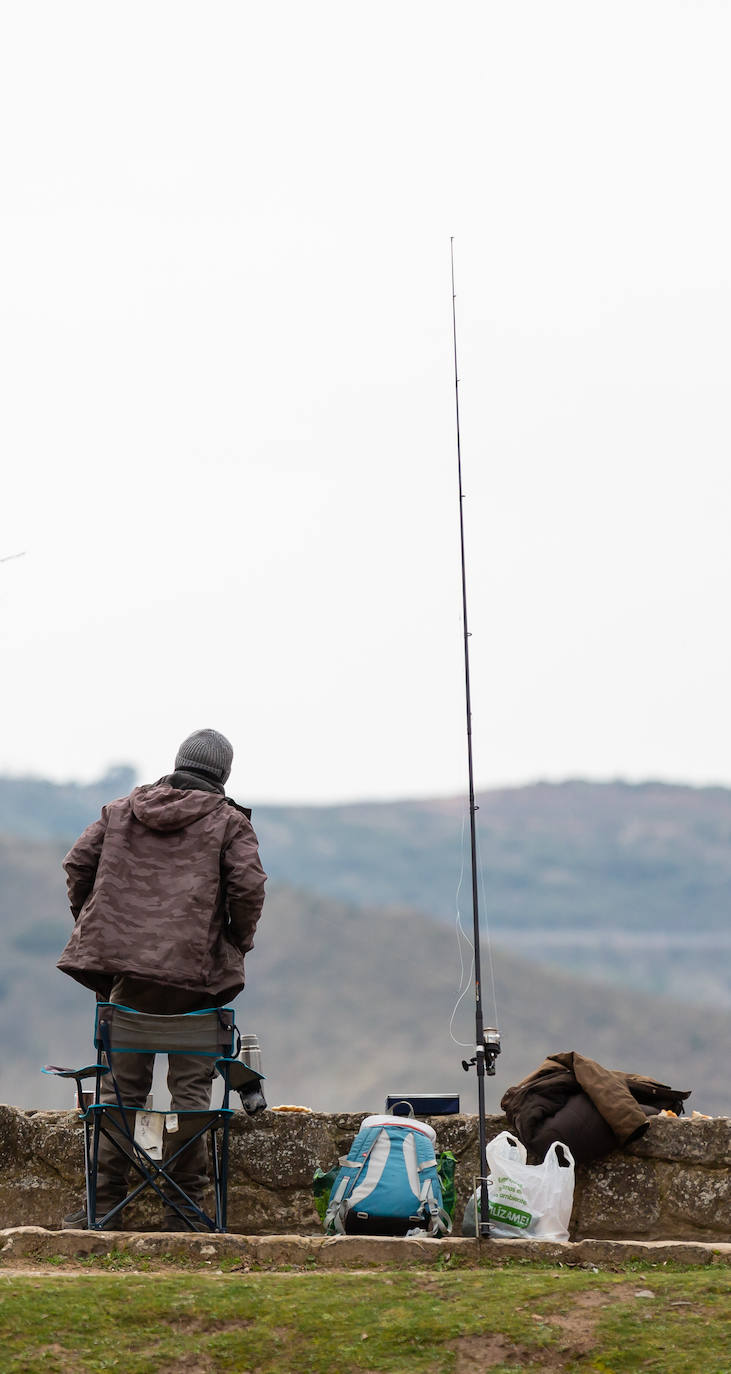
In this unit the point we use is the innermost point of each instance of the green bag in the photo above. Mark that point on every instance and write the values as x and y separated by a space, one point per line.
446 1169
322 1187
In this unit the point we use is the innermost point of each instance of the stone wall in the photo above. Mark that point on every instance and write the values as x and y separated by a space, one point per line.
674 1184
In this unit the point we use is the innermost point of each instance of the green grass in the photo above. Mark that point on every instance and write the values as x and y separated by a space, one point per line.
429 1322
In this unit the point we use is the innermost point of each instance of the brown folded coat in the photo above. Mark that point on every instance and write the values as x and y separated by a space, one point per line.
587 1107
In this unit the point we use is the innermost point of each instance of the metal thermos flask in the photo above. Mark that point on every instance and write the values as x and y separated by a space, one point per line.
250 1053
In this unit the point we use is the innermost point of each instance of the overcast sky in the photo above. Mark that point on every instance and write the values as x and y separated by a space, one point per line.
228 437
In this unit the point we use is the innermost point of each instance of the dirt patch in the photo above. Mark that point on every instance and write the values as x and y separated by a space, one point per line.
64 1360
577 1328
477 1354
185 1367
578 1324
49 1271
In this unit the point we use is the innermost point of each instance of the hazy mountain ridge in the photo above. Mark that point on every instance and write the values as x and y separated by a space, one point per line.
574 852
351 1004
629 883
36 809
647 855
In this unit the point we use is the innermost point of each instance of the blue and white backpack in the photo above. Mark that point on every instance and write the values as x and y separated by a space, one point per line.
388 1184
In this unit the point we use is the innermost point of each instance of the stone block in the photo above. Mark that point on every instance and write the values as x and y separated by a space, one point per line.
616 1196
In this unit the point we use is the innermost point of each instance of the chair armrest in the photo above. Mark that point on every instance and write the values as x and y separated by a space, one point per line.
89 1072
239 1074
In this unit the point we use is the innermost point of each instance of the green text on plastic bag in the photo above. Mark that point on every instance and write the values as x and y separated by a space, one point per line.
512 1215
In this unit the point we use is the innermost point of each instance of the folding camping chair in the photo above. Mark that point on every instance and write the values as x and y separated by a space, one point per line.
120 1030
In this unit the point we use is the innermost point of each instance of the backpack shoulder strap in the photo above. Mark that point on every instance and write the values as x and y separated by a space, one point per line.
350 1170
430 1197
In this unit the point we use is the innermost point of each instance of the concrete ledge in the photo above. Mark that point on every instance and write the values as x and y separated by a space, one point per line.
35 1245
673 1184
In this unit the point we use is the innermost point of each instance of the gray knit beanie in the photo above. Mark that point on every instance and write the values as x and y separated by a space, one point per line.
207 751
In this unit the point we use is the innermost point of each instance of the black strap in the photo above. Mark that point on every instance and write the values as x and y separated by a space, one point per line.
230 1030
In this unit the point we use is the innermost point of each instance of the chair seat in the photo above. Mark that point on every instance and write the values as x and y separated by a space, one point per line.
162 1111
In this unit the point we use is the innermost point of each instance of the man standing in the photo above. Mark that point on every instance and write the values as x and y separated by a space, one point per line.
166 890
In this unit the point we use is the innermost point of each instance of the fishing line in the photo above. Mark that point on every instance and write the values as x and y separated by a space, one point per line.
487 931
465 982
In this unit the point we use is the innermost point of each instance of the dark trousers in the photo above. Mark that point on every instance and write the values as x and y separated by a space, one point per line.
189 1080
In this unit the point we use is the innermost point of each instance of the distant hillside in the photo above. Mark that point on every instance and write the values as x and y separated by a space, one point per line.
647 855
351 1004
35 809
627 883
644 855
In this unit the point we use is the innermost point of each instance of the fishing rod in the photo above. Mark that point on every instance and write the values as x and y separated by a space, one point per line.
487 1040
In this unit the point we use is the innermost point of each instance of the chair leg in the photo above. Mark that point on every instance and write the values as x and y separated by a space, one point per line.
220 1175
187 1200
220 1223
91 1178
224 1174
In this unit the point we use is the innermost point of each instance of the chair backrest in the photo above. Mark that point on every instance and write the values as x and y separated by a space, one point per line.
210 1033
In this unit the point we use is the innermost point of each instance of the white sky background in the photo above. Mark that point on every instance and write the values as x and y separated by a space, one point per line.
227 423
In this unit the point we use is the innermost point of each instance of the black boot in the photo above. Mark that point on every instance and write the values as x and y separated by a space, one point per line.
190 1222
77 1221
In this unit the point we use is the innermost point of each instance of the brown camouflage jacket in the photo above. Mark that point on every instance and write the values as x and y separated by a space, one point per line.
167 886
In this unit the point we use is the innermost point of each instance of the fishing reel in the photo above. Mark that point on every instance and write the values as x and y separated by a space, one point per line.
491 1050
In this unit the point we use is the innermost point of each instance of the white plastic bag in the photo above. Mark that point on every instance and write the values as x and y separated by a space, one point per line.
530 1200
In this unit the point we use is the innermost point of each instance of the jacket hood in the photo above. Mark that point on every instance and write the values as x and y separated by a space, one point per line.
162 807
